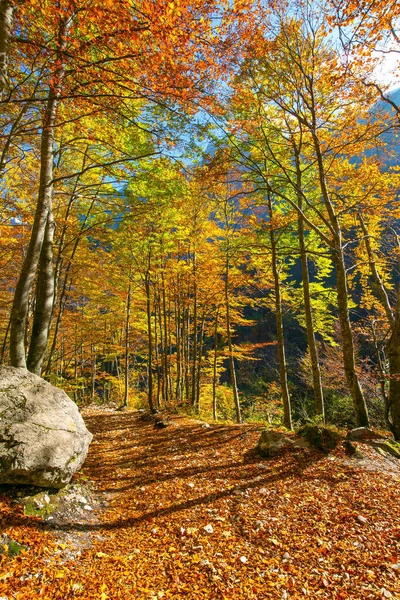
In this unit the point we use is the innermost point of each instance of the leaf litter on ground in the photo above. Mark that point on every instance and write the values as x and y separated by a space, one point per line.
191 512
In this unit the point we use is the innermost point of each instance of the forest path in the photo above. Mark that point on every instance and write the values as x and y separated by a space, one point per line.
192 514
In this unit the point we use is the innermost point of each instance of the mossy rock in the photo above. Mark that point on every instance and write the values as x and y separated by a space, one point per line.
37 506
321 437
389 446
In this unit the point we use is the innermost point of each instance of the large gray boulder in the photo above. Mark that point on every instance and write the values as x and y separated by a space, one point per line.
272 443
43 438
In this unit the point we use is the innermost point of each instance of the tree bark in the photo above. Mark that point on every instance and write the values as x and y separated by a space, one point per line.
383 297
349 362
127 331
6 25
149 343
312 346
199 361
214 380
194 362
44 301
236 399
19 311
287 415
394 372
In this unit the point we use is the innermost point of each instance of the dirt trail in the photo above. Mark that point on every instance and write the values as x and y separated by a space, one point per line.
192 514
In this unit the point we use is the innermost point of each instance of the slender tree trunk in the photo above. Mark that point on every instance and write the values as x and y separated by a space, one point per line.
4 345
383 297
199 361
194 362
349 362
186 359
127 332
44 301
236 399
159 353
178 328
312 346
149 344
93 379
215 357
287 413
394 372
165 337
67 281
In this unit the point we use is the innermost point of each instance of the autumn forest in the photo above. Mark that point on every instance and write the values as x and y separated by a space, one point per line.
200 206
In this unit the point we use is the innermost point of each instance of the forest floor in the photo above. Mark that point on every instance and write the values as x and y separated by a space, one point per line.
190 512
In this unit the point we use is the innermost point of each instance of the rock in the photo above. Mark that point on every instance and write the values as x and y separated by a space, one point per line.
350 447
80 499
321 437
43 438
272 442
300 443
209 528
388 446
362 434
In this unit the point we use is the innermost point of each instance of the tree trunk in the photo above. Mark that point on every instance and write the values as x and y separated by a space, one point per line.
165 340
127 331
6 25
214 381
312 346
383 297
186 353
19 311
93 377
67 281
394 372
230 347
349 362
44 301
23 289
149 344
178 328
194 362
4 345
199 361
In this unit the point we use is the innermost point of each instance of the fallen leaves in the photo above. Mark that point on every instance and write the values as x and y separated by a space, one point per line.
190 517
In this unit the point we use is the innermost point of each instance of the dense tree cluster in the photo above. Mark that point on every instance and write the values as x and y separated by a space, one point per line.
200 205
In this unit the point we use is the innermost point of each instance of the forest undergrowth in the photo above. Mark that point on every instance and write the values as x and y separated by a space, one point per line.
190 511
